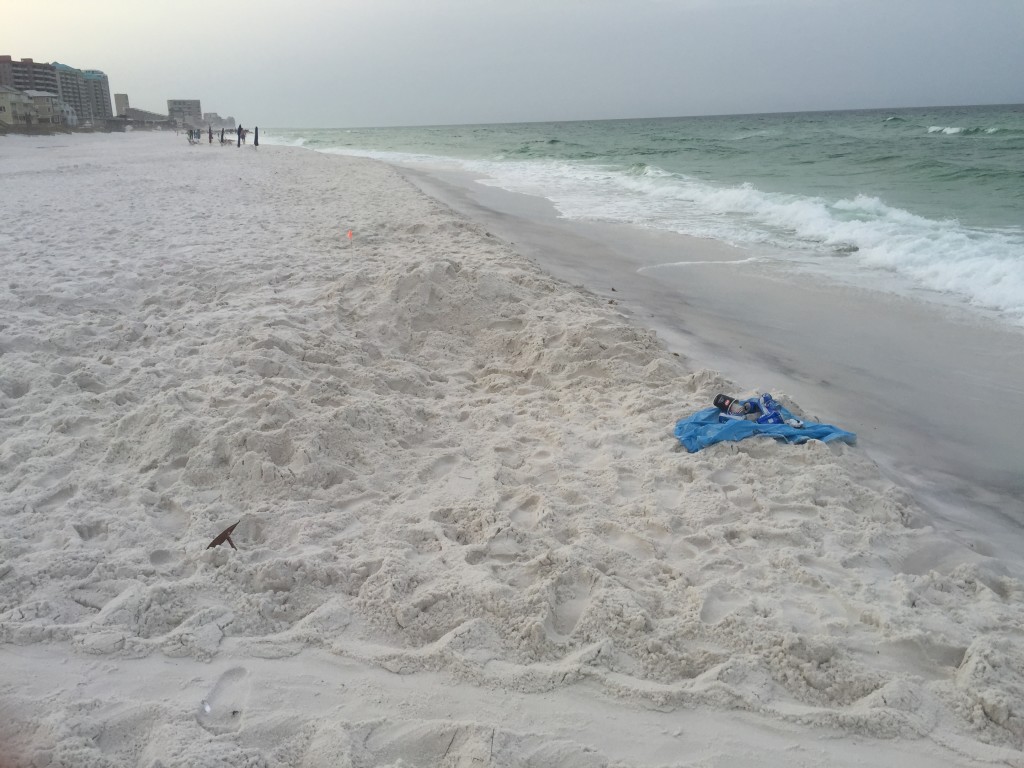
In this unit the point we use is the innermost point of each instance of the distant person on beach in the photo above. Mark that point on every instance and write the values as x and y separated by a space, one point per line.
210 129
256 137
239 135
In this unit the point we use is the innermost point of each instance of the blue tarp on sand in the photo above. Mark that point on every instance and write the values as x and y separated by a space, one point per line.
703 429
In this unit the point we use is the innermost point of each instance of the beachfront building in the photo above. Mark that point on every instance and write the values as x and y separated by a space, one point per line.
31 107
146 119
86 91
215 121
47 107
185 112
16 108
69 88
126 111
28 75
97 89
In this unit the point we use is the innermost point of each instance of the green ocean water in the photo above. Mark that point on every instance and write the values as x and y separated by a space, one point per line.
928 200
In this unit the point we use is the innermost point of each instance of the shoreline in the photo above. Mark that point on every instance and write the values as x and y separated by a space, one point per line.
932 392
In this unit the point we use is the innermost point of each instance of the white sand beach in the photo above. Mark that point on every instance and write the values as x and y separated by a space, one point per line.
466 534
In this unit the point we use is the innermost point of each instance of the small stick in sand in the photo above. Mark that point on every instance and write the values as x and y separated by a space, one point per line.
223 536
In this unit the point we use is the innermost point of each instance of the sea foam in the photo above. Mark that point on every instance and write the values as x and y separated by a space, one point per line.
982 267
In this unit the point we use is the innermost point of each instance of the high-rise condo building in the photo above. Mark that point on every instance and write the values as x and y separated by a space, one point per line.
27 75
185 111
88 92
97 87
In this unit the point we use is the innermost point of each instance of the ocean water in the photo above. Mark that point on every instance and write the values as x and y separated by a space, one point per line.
928 201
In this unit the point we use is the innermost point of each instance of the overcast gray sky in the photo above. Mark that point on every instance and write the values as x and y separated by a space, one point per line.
341 63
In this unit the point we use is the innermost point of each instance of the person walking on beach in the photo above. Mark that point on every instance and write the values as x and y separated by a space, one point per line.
239 136
256 137
210 129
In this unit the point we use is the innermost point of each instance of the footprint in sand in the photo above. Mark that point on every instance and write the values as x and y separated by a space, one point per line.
572 595
224 707
726 479
527 513
719 602
735 489
159 557
438 468
57 497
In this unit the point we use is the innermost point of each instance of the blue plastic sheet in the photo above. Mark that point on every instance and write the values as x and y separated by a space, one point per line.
704 428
